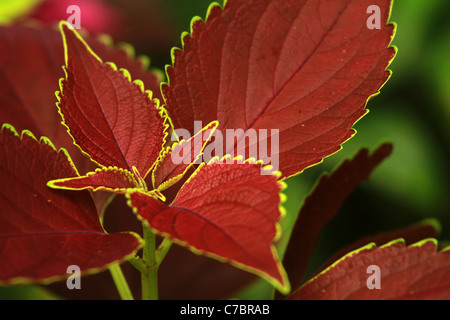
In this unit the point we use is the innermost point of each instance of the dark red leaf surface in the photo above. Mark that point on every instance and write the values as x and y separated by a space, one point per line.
105 179
31 60
227 211
43 231
168 172
27 88
199 278
323 204
306 68
111 118
123 56
414 272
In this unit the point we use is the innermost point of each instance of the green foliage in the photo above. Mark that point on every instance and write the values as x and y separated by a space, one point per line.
11 10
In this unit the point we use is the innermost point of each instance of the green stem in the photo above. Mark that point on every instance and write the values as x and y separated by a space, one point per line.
121 282
149 276
138 263
162 250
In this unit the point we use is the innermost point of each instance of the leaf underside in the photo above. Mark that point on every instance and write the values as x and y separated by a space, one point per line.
323 204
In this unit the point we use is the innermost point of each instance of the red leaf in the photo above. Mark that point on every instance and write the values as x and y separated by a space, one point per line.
43 231
123 56
199 278
228 212
167 172
111 118
323 204
429 228
415 272
110 179
306 68
27 88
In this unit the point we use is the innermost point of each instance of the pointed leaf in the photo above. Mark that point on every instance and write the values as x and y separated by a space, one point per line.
228 212
112 119
323 204
111 179
27 88
305 68
43 231
413 273
167 172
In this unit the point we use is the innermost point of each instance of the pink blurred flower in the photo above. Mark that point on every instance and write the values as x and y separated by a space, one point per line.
96 15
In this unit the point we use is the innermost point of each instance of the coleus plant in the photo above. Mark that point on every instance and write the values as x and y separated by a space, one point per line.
306 68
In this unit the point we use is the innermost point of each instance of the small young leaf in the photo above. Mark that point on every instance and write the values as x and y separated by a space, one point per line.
105 179
416 272
110 118
43 231
167 172
226 211
306 68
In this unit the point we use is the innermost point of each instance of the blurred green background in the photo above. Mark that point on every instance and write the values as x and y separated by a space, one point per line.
412 112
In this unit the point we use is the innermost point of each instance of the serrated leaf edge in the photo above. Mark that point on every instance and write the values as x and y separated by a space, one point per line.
139 83
174 49
130 51
42 139
124 172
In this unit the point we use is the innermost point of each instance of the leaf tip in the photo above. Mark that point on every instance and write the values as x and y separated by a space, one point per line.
425 242
10 128
395 242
